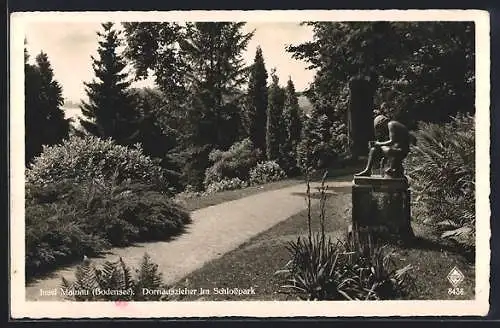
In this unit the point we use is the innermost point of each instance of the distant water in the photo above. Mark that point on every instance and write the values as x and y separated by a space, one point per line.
74 113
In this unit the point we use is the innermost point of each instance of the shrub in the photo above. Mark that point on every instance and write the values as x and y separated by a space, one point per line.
236 162
194 163
225 184
323 140
85 158
66 220
117 279
265 172
442 169
54 237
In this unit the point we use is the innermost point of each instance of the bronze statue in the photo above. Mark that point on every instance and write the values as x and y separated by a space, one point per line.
393 150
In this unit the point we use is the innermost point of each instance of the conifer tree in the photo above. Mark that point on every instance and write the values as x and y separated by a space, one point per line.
33 116
110 112
274 126
292 128
213 53
255 115
44 117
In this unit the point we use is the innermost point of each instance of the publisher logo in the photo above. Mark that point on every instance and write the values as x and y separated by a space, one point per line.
455 277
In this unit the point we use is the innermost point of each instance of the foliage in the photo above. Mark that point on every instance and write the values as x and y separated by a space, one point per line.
255 113
274 126
225 184
82 159
442 169
199 66
236 162
66 220
436 80
114 281
424 70
44 118
265 172
153 47
109 113
352 270
421 71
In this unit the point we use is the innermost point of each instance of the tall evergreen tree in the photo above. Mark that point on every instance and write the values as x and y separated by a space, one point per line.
274 126
33 116
44 117
292 128
213 54
110 112
256 102
51 99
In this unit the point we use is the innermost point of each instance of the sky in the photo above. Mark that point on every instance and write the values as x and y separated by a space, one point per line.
69 46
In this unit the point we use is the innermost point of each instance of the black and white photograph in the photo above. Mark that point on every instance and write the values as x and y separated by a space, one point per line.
249 163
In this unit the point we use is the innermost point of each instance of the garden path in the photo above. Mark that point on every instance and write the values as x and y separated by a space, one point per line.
214 231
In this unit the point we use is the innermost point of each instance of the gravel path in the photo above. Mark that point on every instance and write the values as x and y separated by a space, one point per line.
214 231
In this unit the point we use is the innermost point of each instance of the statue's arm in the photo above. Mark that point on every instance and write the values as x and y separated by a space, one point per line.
392 138
384 143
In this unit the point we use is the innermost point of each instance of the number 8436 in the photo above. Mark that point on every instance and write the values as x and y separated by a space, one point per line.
456 291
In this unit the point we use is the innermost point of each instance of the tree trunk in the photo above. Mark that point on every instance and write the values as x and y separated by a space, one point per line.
360 115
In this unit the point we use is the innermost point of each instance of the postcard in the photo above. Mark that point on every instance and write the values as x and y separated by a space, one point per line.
300 163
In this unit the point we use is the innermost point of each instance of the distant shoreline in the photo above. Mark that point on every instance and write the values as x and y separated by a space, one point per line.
73 113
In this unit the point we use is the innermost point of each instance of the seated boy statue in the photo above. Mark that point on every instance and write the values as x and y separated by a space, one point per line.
393 150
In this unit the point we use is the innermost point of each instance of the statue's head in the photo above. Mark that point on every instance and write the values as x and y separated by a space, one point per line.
380 120
380 126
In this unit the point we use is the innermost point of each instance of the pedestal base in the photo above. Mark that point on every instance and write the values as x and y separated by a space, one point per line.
382 205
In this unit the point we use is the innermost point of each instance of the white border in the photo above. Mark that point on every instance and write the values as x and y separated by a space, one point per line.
20 308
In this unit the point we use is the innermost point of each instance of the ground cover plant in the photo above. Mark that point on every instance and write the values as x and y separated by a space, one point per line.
115 281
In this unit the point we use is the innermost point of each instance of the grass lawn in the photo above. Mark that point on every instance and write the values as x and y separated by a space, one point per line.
254 263
193 203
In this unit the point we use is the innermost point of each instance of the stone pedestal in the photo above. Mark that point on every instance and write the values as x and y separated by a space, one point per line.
382 205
